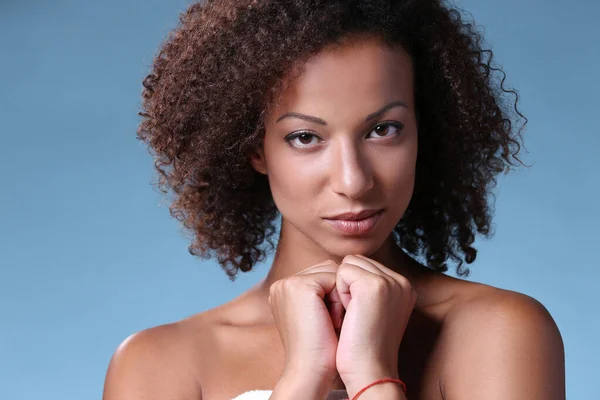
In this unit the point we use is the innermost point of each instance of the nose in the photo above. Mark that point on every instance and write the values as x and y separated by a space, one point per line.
350 172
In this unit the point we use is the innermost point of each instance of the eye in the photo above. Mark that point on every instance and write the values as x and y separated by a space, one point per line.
305 139
387 129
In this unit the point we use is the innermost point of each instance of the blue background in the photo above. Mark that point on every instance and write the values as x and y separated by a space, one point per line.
89 253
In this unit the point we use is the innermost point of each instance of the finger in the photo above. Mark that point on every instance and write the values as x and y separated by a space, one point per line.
350 276
401 279
321 279
322 282
378 265
331 298
364 263
329 266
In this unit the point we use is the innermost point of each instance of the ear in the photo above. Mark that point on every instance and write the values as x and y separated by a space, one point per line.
257 159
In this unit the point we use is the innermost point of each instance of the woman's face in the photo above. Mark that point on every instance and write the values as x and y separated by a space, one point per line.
343 139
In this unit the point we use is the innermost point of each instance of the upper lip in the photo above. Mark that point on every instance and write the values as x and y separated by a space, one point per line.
353 216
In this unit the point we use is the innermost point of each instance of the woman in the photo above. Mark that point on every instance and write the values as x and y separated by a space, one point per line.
376 130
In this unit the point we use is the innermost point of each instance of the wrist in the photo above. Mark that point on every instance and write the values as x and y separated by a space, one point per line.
357 382
385 390
302 386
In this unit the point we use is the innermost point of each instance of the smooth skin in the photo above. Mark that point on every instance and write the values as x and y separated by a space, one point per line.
354 146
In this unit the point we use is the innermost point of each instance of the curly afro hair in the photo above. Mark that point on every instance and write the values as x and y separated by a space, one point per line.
218 73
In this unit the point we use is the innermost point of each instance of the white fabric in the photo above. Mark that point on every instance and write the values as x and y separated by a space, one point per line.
265 394
254 395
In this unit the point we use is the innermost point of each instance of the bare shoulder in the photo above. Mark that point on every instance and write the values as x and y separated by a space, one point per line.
157 363
501 344
489 306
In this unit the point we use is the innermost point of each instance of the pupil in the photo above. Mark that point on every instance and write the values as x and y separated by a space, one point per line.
304 136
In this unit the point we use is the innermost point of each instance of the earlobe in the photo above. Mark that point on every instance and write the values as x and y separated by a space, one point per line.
257 159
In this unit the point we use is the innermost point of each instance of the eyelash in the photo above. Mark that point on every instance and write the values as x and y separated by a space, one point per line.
295 135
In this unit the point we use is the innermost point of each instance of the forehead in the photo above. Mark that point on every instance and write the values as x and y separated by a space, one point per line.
355 74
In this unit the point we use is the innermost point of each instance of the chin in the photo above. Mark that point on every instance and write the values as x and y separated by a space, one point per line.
342 246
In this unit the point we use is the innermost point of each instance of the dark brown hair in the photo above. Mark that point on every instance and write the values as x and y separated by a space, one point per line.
217 74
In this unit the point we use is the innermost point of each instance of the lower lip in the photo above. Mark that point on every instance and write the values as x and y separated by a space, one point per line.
358 227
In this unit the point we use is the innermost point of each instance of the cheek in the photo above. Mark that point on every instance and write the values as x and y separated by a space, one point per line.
396 171
294 183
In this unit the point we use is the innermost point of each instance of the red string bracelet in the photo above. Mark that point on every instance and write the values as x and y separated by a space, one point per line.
378 382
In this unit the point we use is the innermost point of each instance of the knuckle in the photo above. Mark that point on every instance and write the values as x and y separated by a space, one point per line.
404 287
343 268
404 283
274 287
349 265
348 258
380 284
290 283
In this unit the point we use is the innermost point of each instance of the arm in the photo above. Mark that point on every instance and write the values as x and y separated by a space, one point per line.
504 346
151 365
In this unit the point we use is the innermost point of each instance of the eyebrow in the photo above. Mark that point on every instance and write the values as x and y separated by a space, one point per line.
320 121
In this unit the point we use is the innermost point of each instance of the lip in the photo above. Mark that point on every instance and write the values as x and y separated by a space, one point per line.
356 226
354 216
